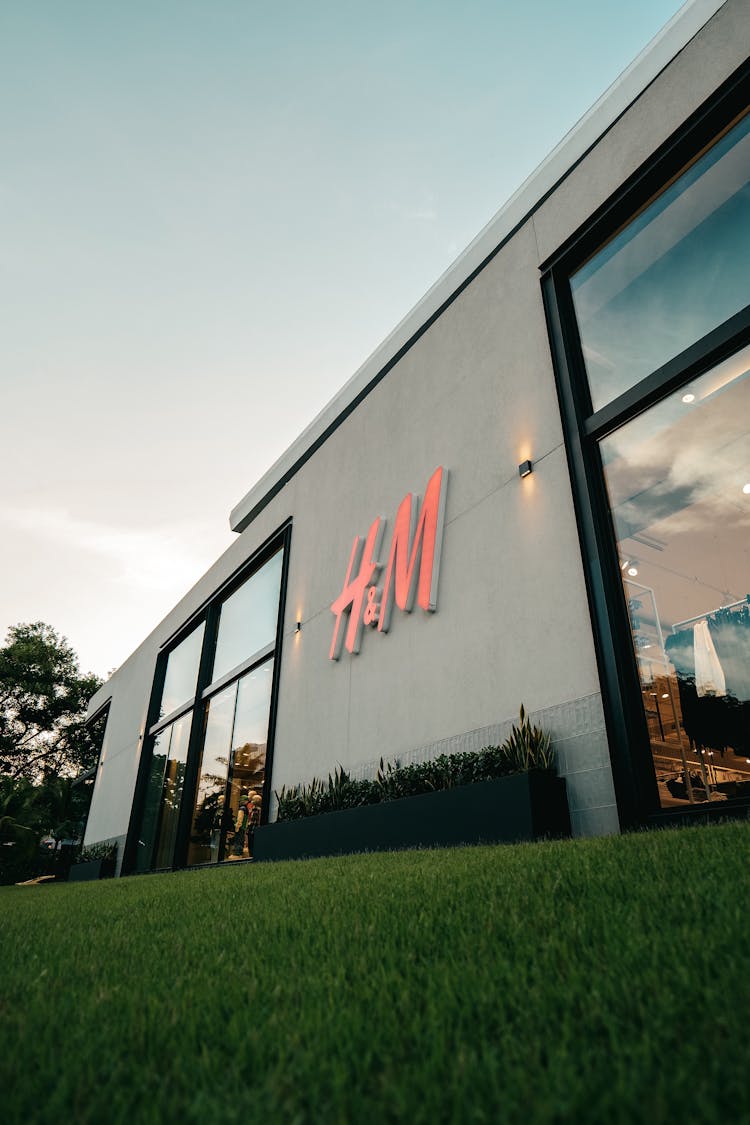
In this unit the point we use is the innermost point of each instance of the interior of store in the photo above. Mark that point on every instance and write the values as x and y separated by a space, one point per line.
679 483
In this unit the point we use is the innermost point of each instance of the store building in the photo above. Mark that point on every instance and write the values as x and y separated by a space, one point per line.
401 581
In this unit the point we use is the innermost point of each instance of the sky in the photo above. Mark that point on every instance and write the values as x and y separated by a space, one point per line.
212 213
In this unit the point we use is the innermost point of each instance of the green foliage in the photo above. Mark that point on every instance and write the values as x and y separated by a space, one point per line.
19 831
44 744
43 700
526 748
54 807
18 815
564 983
97 851
61 807
340 791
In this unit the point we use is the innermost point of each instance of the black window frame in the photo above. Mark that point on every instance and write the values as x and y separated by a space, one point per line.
632 763
209 612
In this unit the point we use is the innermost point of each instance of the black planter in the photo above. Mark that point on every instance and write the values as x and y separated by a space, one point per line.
92 869
526 806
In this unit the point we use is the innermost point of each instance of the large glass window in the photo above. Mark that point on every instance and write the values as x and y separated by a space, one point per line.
231 742
678 478
248 762
673 274
232 774
210 823
181 677
166 779
672 287
248 618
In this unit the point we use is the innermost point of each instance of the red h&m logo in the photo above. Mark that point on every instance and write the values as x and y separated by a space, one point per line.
411 572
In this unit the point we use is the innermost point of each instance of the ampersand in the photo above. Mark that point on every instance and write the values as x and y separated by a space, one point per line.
372 609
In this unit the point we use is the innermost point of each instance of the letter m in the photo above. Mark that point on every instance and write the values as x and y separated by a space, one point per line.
414 560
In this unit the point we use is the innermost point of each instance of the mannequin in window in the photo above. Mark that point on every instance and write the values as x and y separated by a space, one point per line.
248 818
720 718
730 631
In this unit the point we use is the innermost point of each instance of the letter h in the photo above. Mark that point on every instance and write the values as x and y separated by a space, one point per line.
350 602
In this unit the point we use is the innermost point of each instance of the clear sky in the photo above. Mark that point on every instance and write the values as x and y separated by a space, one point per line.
212 212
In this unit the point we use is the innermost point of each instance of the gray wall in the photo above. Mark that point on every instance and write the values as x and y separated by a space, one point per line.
475 394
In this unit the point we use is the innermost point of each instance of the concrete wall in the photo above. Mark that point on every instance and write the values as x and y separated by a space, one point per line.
475 394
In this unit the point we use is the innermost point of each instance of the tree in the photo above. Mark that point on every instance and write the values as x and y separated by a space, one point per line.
16 812
43 700
19 834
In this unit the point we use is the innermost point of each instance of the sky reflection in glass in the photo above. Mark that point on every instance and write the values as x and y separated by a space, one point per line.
677 271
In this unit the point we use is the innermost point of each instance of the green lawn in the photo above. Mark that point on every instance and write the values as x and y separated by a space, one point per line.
584 981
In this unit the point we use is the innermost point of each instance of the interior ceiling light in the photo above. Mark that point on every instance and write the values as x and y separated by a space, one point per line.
624 563
688 398
746 488
632 571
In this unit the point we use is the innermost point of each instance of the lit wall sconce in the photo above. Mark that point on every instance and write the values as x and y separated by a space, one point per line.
298 627
525 469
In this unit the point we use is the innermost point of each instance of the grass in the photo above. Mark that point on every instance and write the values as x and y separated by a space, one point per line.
585 981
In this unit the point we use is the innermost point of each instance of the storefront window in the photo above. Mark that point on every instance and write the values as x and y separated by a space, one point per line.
227 802
248 618
678 478
232 773
662 314
678 270
95 735
182 672
209 824
166 778
248 759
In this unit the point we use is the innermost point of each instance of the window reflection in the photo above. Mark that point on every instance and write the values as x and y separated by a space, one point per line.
678 478
171 798
166 779
248 618
249 745
228 800
673 274
229 797
208 814
152 802
182 672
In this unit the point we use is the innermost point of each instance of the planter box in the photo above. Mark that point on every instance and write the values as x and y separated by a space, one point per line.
526 806
92 869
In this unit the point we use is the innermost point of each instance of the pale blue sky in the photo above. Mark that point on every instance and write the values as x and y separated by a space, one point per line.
212 212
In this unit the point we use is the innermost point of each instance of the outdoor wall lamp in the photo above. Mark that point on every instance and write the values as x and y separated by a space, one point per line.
525 469
298 627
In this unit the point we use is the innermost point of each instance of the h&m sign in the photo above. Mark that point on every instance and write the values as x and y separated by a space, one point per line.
410 572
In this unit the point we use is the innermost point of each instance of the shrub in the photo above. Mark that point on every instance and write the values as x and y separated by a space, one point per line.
526 748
